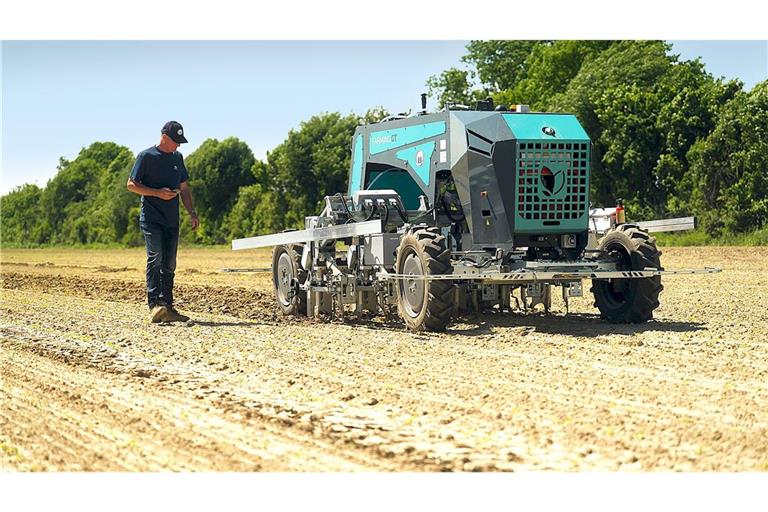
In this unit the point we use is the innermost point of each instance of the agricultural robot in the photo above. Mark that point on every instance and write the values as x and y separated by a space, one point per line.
465 210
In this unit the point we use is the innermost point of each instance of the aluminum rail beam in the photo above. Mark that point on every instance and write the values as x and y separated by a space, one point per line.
550 275
679 224
309 235
246 270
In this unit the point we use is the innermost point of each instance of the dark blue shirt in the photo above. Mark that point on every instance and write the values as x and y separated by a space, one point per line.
157 169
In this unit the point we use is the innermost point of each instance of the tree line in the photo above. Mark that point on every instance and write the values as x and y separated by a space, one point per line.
668 138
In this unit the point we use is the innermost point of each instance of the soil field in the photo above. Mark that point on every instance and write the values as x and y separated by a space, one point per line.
88 384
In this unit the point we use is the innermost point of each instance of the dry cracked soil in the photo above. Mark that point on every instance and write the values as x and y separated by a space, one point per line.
88 384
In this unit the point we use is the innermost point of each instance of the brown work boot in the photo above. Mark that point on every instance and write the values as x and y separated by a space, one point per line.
159 314
174 316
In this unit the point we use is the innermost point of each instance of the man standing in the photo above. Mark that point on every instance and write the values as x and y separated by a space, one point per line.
159 177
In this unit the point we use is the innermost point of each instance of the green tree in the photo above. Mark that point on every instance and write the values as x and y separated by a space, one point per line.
72 201
691 102
217 169
452 86
729 166
500 65
117 201
20 216
548 70
311 163
108 212
257 211
85 202
374 115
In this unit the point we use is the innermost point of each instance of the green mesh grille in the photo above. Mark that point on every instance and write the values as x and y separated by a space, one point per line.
552 186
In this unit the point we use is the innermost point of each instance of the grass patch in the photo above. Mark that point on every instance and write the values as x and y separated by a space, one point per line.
701 238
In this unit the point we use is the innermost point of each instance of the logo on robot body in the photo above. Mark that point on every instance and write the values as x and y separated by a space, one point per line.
419 158
385 139
552 182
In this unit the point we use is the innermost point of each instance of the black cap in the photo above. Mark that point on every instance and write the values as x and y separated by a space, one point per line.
175 131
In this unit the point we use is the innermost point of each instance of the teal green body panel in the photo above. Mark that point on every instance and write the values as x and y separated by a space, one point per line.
401 181
552 173
530 126
385 140
356 182
419 158
552 183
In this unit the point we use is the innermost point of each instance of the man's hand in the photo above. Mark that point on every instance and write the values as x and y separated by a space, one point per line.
186 198
165 194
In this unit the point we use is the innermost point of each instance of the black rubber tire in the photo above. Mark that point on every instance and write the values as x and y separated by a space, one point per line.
426 248
295 304
629 300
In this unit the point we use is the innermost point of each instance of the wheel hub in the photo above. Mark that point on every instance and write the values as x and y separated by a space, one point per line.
414 289
284 278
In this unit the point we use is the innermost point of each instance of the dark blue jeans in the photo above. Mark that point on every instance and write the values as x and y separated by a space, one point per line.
162 242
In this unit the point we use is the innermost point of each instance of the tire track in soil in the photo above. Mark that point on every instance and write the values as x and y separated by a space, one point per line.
60 416
163 430
333 427
156 434
92 444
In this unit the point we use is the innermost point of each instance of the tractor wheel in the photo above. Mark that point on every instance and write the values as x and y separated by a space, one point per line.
286 274
629 300
424 304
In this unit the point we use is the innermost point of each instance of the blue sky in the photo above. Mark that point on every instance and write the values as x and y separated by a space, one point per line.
58 96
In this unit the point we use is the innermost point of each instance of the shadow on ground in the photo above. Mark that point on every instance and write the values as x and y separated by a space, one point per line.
573 324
